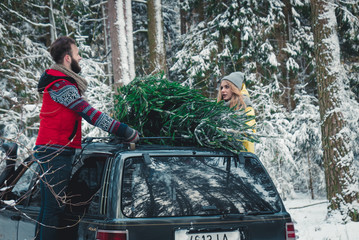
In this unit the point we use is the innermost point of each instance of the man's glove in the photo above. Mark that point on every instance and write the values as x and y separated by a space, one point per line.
131 135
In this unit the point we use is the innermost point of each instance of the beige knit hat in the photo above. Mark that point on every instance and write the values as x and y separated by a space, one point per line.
237 78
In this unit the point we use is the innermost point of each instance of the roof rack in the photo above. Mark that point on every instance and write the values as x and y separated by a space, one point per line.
100 139
118 140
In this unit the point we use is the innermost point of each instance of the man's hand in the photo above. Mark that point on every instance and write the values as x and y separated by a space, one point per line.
131 135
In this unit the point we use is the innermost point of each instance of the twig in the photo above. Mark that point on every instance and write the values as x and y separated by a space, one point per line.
309 205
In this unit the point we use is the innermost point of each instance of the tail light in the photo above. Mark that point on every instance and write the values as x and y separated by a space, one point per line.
111 235
289 231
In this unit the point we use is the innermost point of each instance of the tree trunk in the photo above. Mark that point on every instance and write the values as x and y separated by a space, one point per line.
184 20
289 78
337 157
155 37
120 21
107 39
310 180
52 22
129 34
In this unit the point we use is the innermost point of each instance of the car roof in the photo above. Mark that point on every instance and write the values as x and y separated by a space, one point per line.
104 146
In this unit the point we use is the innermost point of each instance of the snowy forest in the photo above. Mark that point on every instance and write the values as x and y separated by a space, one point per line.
300 59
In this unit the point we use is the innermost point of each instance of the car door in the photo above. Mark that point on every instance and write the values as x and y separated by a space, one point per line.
82 195
8 224
31 207
84 192
17 218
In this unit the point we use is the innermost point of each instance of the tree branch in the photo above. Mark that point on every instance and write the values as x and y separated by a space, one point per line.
25 19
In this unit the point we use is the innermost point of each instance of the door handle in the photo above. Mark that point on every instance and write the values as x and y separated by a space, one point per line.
15 217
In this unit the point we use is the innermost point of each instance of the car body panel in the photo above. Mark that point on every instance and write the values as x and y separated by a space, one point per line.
27 222
101 165
165 228
8 224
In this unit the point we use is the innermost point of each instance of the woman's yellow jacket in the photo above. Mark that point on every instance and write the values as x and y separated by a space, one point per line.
250 112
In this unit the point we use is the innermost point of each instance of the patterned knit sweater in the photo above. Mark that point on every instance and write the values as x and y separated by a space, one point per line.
67 94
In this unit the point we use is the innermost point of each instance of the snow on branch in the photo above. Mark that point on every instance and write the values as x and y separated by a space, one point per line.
27 20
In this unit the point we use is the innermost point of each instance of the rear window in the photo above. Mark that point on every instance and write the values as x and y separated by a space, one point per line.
195 185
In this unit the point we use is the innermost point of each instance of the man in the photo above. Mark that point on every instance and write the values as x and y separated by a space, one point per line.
60 131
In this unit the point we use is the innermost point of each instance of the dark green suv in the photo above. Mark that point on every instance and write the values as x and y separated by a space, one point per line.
144 191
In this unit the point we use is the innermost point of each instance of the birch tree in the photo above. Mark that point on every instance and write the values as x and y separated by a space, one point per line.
338 158
155 37
120 21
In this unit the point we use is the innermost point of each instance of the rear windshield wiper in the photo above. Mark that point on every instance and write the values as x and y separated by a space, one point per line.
210 209
259 212
225 214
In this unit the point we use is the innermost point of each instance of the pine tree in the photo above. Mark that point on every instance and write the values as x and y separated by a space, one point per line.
157 107
338 157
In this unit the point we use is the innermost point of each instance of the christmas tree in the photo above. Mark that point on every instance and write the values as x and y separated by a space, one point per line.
157 107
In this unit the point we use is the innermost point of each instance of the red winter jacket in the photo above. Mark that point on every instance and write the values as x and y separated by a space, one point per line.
58 125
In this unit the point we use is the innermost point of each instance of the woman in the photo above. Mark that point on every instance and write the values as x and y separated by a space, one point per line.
233 91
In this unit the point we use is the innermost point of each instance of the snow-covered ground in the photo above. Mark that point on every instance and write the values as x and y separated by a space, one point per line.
310 221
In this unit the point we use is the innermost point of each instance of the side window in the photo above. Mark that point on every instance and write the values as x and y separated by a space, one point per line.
85 183
26 190
83 186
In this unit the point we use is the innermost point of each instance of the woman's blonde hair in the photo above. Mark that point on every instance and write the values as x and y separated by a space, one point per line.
237 97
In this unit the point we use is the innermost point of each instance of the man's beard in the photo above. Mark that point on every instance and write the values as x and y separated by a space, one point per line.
75 67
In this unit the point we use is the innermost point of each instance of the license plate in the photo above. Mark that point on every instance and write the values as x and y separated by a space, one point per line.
184 235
